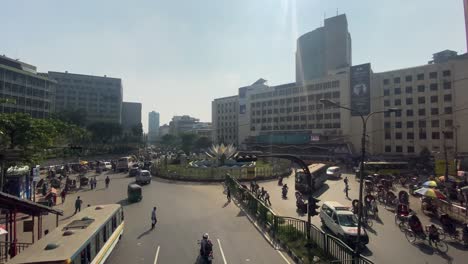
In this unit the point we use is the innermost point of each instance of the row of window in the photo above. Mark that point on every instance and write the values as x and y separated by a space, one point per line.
420 88
299 126
294 90
421 112
21 90
419 77
33 113
409 149
22 79
291 109
421 124
421 134
296 118
310 98
421 100
229 117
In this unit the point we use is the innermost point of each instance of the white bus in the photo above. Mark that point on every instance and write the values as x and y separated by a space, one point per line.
88 237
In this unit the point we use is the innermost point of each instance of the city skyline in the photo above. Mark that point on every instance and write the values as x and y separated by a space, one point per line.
231 44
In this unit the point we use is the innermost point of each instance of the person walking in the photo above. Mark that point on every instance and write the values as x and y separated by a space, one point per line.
63 194
78 203
107 182
346 189
267 198
228 193
154 220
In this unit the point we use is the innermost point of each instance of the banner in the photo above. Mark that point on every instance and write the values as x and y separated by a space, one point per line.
360 89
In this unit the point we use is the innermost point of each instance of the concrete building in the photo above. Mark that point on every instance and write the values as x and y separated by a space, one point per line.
224 117
153 126
203 129
433 99
324 49
131 116
164 130
182 124
24 90
99 97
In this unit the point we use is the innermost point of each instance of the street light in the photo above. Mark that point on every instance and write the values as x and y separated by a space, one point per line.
363 158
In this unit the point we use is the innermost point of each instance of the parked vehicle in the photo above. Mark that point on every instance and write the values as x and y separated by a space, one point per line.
134 193
107 165
334 172
341 222
124 164
144 177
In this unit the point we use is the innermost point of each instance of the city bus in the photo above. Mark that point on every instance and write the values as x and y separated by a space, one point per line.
383 167
87 237
319 176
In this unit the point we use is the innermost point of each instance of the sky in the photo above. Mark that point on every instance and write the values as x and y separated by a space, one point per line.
176 56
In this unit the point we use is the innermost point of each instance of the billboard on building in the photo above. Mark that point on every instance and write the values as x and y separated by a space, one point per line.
360 89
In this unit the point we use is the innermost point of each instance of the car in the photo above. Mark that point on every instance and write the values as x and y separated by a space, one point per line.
334 172
341 222
144 177
133 171
107 165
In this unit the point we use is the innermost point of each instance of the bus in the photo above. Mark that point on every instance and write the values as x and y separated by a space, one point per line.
319 176
124 164
383 167
87 237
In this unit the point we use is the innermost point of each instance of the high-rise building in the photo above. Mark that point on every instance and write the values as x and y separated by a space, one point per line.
24 90
131 116
153 126
100 98
224 112
324 49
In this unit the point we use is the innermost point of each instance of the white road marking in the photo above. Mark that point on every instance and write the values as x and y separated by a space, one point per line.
222 252
157 255
281 254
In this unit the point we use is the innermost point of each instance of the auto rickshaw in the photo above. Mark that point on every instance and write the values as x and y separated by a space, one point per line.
134 193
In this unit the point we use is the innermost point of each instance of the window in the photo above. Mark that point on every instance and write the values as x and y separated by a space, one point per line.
410 149
386 103
434 99
398 124
433 87
435 135
446 73
434 111
448 135
433 75
387 125
421 88
409 78
336 115
448 123
397 91
435 123
397 113
386 114
388 135
398 135
420 76
422 112
388 148
409 89
396 80
422 123
447 85
409 124
399 149
397 101
410 135
409 101
421 100
448 110
447 98
386 81
422 135
409 112
386 92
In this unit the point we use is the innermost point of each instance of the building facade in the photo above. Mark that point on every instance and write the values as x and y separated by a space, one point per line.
153 126
99 97
131 116
164 130
23 90
182 124
324 49
225 112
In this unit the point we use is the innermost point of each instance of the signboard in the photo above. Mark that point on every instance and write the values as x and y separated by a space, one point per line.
360 89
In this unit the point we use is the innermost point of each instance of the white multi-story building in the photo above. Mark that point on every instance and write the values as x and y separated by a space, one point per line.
225 126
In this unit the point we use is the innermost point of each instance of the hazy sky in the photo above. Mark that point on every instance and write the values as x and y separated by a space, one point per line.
176 56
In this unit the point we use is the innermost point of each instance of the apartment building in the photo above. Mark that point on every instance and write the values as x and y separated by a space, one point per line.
225 124
131 116
24 90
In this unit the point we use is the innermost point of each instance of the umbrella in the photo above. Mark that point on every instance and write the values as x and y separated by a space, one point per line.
3 230
431 184
431 193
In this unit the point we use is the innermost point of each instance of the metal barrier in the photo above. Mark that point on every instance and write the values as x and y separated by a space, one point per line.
456 212
9 250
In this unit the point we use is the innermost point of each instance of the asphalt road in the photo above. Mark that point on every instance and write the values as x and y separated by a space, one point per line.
185 211
387 243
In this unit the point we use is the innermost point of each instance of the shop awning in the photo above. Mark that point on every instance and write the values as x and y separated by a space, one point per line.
11 202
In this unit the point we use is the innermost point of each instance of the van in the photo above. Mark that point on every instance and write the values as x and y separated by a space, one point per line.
334 172
124 164
143 177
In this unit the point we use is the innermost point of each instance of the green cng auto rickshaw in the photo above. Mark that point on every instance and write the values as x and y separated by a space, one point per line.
134 193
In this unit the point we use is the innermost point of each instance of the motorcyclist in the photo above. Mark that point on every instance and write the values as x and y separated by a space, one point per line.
206 247
280 180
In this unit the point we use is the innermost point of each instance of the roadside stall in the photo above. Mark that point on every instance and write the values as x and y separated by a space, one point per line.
18 182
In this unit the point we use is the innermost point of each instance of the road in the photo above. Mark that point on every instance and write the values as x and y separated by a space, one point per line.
185 211
387 243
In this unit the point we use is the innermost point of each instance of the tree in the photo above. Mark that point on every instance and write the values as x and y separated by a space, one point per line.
202 143
169 140
426 160
104 132
188 141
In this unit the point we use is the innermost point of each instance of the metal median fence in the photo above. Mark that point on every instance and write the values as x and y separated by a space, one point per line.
292 232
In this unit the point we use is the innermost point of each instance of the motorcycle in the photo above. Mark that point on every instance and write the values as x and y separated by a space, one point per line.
280 181
301 206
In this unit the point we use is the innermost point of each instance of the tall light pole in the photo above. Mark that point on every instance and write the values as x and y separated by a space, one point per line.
363 158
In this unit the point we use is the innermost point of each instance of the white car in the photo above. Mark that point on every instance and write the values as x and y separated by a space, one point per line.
334 172
143 177
107 165
341 222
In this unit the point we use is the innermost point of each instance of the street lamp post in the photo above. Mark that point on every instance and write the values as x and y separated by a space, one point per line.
363 158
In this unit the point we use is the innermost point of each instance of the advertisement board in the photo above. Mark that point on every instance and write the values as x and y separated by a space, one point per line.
360 89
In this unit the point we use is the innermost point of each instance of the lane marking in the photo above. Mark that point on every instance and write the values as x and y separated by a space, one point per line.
222 252
157 255
281 254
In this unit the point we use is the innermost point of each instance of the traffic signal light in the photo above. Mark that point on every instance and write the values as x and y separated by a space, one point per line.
313 206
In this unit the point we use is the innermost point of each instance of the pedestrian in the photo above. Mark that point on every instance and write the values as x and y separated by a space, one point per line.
267 198
107 182
154 220
78 203
346 189
262 193
63 194
252 186
228 194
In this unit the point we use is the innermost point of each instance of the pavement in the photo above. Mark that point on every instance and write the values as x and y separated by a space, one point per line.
185 211
387 243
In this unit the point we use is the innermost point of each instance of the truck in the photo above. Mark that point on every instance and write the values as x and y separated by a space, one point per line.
124 164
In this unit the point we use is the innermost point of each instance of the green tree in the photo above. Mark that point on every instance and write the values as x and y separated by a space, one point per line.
202 143
169 140
104 132
188 141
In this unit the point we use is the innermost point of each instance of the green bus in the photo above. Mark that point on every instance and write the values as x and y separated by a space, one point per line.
383 167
